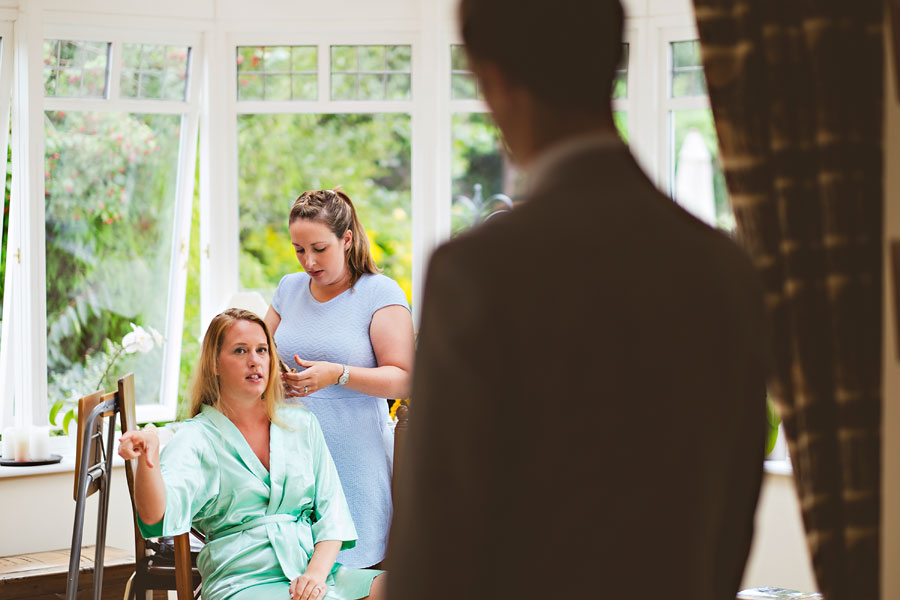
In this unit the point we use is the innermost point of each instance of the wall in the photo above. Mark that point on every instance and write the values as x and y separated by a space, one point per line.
38 512
779 556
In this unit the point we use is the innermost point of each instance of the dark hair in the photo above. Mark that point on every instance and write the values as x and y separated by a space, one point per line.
335 210
565 52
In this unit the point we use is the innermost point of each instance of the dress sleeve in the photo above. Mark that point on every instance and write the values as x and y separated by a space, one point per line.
277 296
190 474
388 292
333 520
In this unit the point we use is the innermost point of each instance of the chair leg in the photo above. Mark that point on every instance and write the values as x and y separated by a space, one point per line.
78 527
105 479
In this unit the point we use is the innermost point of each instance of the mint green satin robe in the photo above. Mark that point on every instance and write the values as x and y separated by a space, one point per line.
261 525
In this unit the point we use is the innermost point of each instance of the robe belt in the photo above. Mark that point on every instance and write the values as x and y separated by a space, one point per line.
260 522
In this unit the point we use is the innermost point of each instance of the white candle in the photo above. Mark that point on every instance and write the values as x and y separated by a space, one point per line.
7 451
20 441
39 443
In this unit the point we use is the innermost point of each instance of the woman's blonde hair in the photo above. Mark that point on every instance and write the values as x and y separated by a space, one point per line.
335 210
205 386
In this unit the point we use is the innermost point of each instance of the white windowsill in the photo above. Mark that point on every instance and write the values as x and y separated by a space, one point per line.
779 467
58 445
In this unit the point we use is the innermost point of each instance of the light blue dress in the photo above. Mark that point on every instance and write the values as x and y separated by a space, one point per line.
356 426
261 525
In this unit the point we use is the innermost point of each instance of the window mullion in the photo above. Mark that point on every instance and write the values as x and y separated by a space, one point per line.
115 70
29 328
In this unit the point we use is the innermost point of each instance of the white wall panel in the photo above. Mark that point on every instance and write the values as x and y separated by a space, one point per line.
348 10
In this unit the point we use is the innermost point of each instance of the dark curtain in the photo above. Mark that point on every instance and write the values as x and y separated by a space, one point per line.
796 93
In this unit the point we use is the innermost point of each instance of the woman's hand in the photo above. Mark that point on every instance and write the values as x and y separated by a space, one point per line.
317 375
308 587
140 444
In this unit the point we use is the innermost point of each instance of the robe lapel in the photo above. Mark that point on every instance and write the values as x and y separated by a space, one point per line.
235 438
277 471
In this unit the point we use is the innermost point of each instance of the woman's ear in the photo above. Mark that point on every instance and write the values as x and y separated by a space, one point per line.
348 240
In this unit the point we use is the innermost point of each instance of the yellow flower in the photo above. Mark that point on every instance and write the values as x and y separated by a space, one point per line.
395 405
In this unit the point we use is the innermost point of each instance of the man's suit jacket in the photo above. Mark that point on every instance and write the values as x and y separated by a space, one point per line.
588 406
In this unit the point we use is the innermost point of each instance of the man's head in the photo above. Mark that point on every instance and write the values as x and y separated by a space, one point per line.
563 52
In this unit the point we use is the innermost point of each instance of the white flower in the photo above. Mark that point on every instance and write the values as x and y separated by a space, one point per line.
157 336
137 340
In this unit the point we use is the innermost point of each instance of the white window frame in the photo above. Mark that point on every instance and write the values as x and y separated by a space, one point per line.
14 253
29 107
212 109
672 31
220 278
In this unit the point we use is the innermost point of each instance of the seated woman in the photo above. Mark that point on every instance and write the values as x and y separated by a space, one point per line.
254 475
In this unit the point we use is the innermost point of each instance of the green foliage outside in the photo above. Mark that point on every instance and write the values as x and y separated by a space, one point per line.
620 118
483 178
4 227
190 338
701 120
282 155
773 420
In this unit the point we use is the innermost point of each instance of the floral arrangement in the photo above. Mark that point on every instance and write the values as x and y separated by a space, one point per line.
137 340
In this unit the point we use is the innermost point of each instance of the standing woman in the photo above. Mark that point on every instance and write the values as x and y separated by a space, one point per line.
349 332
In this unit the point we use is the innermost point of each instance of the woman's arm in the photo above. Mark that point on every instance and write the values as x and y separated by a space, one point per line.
149 490
391 334
272 320
320 564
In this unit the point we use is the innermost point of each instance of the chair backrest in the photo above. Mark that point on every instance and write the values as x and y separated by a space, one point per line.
129 423
85 406
399 444
93 469
184 570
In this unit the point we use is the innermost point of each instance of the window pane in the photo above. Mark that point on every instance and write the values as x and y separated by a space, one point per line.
304 87
343 59
343 87
277 72
371 59
371 87
463 84
398 86
484 179
278 87
367 154
154 71
110 199
249 58
304 59
620 80
75 69
4 228
458 59
250 86
620 117
277 59
399 58
697 180
686 78
370 72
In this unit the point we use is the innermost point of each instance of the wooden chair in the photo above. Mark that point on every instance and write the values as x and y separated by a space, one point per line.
399 443
155 567
154 570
